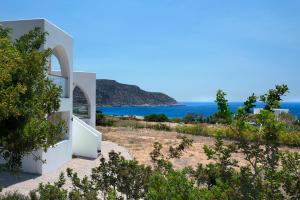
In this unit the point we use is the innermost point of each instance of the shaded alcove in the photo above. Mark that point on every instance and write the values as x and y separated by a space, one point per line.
81 105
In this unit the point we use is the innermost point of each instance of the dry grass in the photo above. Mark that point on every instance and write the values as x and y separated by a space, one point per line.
140 142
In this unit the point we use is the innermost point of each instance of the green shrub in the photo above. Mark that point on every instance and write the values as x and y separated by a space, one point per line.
284 137
176 120
192 118
14 196
193 130
129 123
175 185
289 138
156 118
101 120
159 127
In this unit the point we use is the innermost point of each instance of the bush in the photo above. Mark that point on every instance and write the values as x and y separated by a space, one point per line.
191 118
289 138
156 118
193 130
13 196
159 127
284 137
176 120
129 123
101 120
175 185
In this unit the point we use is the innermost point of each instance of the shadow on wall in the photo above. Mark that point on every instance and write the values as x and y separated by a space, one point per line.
8 179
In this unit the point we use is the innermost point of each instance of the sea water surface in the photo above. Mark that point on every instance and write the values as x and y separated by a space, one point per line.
203 108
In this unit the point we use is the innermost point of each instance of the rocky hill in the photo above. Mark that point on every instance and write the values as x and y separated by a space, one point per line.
110 92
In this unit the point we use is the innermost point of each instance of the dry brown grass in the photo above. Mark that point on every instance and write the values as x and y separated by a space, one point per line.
140 142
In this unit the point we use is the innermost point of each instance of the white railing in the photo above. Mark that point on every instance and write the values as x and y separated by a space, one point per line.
60 81
86 140
81 110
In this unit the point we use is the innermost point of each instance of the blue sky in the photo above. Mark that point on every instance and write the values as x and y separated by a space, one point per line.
187 49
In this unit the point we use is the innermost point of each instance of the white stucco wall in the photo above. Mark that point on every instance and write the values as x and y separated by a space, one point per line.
55 156
86 140
62 45
87 83
277 112
59 41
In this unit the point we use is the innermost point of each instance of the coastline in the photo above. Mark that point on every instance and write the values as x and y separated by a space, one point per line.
143 105
182 108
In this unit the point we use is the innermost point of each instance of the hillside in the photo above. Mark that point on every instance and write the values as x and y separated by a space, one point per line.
110 92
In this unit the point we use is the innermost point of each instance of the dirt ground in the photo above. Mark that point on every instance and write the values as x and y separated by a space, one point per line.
140 142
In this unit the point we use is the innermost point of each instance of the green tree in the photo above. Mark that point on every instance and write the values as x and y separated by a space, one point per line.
273 98
223 115
27 98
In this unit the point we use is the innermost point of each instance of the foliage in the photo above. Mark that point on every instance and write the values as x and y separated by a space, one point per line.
156 118
162 162
159 127
273 98
50 191
27 98
124 176
117 178
223 116
101 120
291 174
291 122
191 118
176 120
250 103
14 196
266 173
290 136
129 123
197 129
174 185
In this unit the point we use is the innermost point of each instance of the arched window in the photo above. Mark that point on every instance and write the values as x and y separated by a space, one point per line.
81 107
55 65
55 75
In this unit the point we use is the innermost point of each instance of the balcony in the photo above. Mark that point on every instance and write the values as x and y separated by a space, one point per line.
62 82
81 111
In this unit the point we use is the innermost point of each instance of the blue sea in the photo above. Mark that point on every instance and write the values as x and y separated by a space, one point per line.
203 108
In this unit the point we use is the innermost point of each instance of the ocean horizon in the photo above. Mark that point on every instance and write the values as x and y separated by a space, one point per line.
182 108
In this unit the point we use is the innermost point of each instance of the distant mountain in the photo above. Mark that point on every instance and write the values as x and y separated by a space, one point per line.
112 93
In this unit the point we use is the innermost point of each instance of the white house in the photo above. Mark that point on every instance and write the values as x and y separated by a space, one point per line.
81 139
277 111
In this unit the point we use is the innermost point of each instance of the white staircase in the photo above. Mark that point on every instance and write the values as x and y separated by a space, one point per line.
86 141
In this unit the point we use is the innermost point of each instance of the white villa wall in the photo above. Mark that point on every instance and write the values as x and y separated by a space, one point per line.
55 156
87 83
30 166
86 140
59 41
82 139
277 112
62 45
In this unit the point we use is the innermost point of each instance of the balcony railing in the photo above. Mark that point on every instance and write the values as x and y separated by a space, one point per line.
81 110
60 81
